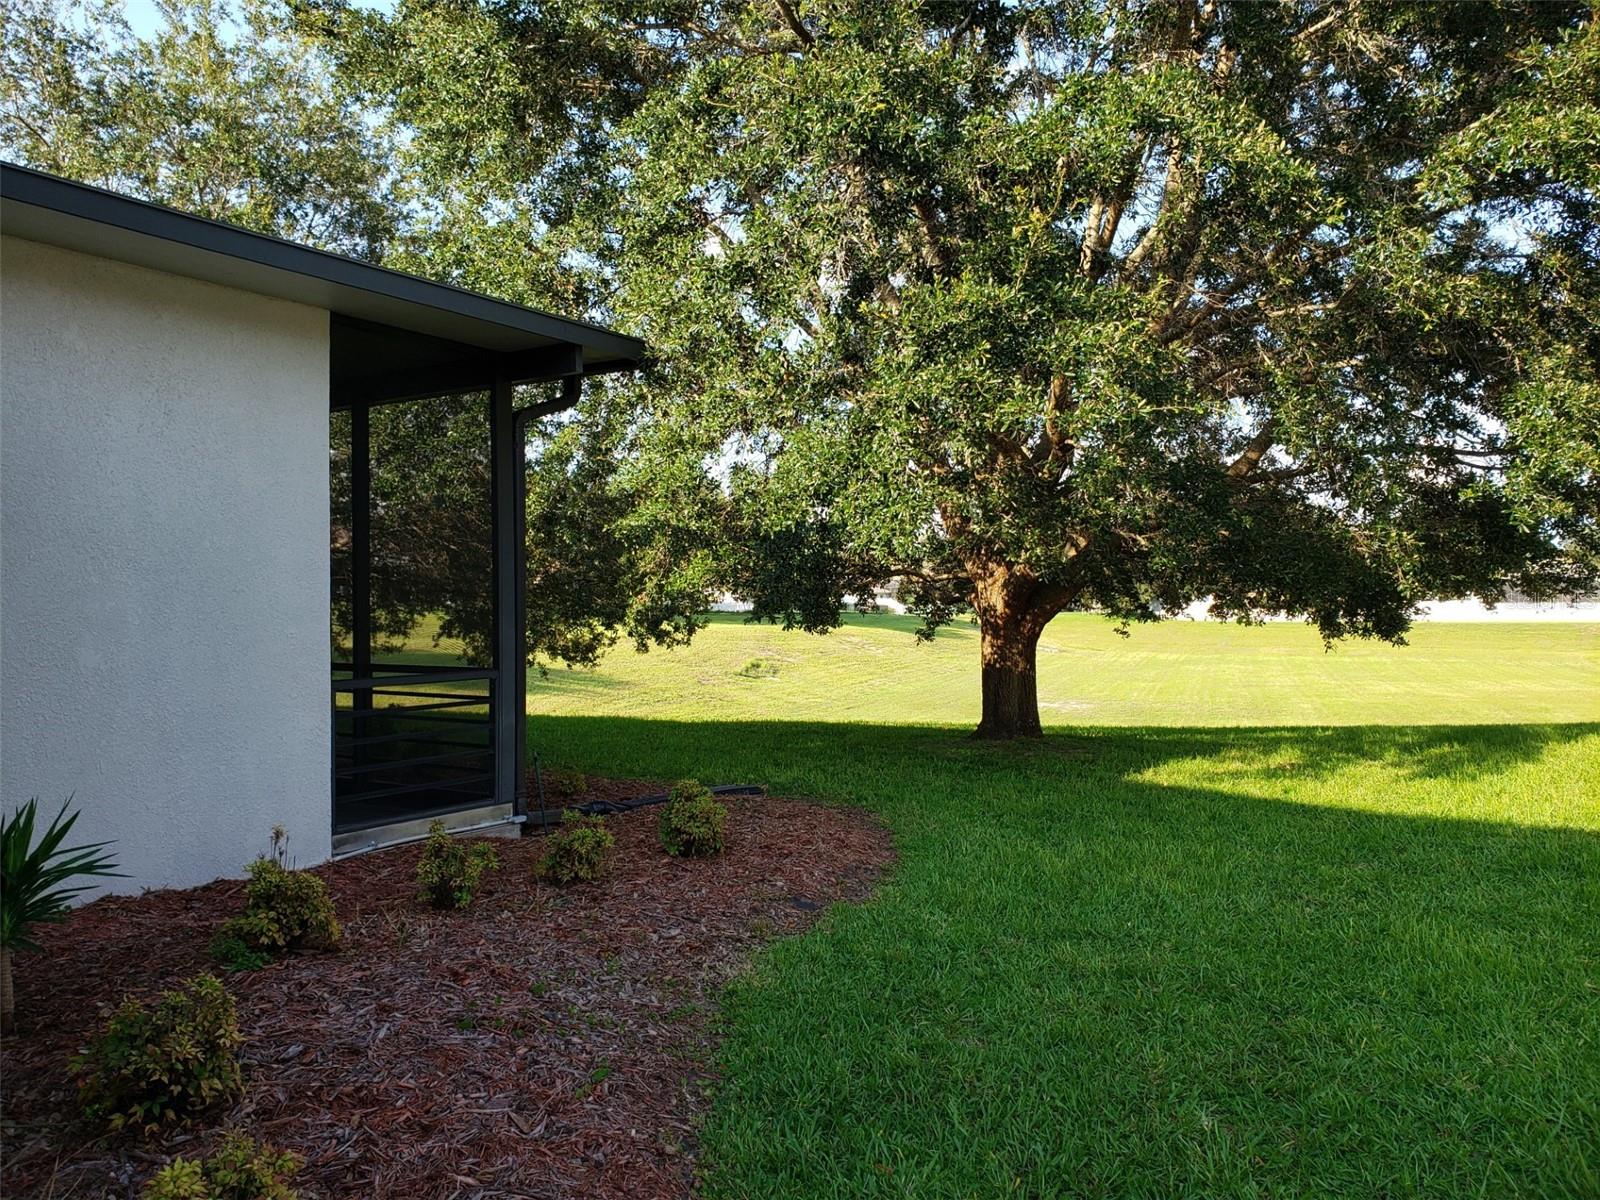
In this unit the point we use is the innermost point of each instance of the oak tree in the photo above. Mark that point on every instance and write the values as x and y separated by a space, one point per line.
1050 304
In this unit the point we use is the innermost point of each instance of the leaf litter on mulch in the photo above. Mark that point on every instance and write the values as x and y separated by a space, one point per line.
547 1042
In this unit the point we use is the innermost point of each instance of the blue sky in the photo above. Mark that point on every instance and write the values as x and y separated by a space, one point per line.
145 17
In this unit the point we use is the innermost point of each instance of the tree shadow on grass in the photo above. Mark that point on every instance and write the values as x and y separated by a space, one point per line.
1165 962
1459 752
1414 751
807 756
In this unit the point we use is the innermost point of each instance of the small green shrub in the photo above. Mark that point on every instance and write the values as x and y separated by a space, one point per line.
759 668
233 953
448 873
567 783
181 1179
577 850
239 1169
284 910
693 821
157 1065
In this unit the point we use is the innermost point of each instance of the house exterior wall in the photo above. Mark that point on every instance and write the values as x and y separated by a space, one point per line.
163 563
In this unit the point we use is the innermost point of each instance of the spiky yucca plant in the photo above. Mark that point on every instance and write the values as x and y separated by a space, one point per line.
32 878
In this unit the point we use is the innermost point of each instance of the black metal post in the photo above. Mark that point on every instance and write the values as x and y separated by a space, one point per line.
360 567
361 540
521 519
508 703
571 393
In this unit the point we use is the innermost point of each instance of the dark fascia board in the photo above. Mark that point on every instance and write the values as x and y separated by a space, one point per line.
471 374
40 207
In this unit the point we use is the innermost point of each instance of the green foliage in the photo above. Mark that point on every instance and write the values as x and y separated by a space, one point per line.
567 783
693 821
181 1179
577 851
611 553
230 948
238 1169
596 542
1044 306
162 1064
759 668
222 110
284 910
449 870
33 872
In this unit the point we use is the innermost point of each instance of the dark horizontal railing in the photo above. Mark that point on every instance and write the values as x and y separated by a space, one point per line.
420 670
410 742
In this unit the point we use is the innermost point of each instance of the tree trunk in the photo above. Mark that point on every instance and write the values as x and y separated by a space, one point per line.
1010 675
8 1004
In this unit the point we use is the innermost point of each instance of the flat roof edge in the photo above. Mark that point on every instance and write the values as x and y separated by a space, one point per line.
38 189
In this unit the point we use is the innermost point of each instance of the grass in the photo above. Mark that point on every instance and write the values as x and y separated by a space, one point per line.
1183 673
1252 921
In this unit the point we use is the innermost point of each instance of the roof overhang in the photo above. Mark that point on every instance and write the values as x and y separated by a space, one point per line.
457 332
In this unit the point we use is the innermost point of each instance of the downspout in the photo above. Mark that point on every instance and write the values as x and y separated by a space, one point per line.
571 393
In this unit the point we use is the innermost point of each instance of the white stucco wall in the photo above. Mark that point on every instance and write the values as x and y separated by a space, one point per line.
163 562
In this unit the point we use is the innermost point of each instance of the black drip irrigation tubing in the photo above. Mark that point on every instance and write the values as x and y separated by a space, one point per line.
607 808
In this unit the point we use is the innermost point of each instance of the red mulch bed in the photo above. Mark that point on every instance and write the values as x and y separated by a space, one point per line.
548 1042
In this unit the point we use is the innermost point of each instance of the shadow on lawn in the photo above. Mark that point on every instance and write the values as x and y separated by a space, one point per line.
1414 752
814 758
1166 961
1465 752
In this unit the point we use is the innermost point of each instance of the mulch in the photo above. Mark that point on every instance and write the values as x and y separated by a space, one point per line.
547 1042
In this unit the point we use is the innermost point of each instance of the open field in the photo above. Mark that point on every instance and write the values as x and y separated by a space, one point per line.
1253 920
1175 673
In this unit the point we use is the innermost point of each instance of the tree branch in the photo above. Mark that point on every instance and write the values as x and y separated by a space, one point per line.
1058 400
935 253
1254 451
1171 187
960 31
1335 11
795 24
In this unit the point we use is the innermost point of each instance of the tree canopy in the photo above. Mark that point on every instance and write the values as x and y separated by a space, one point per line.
1038 305
224 110
1026 305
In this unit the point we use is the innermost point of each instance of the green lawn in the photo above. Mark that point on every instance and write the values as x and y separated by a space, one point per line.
1254 920
1174 673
